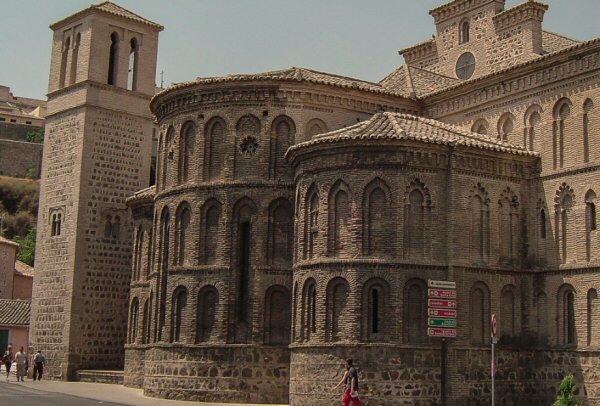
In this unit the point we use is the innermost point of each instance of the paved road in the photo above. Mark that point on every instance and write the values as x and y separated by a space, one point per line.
16 394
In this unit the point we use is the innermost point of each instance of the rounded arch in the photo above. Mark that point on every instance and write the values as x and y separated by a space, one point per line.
566 316
311 221
464 30
480 313
183 217
210 219
506 125
533 115
508 311
277 315
339 203
178 312
215 148
588 105
113 58
375 316
206 313
187 145
308 322
280 232
562 108
133 320
337 292
378 220
480 126
414 321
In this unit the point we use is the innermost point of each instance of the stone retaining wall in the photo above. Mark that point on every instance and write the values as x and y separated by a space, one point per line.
228 373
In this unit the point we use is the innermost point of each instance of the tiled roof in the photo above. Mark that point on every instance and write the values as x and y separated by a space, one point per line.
113 9
140 195
410 81
14 312
552 42
21 268
396 126
290 74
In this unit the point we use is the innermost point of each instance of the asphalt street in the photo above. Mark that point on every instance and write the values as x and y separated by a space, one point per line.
15 394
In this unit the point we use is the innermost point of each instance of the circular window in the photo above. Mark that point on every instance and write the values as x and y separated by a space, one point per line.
249 146
465 66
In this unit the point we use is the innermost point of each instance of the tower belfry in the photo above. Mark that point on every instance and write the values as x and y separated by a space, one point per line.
97 152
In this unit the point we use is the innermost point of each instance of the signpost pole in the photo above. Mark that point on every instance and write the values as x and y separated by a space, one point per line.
493 365
443 367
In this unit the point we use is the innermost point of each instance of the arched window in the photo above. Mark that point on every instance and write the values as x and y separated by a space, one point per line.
378 225
505 126
187 144
133 320
138 253
480 127
166 154
116 227
277 315
417 208
309 309
64 62
375 316
113 59
209 242
337 296
179 304
243 212
208 299
339 219
280 233
74 58
464 31
587 108
590 221
311 223
183 218
282 136
563 203
146 322
56 217
592 310
508 224
414 322
543 224
215 149
132 72
163 265
480 314
480 225
562 110
533 117
566 315
508 312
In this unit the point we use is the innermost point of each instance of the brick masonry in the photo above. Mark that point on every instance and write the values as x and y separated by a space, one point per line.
254 272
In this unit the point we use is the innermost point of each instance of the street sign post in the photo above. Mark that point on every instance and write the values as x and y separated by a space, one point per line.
441 321
493 366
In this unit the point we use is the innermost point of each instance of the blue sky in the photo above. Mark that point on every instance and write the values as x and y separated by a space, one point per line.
357 38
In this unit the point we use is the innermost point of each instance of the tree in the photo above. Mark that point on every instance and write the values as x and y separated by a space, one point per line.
565 393
27 247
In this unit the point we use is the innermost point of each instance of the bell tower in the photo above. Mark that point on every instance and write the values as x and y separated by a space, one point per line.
97 152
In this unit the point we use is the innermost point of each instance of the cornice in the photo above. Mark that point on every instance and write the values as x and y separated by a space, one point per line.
458 7
580 59
531 10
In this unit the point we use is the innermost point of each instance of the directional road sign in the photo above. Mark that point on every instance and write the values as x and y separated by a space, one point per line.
434 322
442 293
444 304
441 332
441 284
446 313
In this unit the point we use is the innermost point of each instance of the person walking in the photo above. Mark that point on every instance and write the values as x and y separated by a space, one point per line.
350 382
38 365
21 360
8 359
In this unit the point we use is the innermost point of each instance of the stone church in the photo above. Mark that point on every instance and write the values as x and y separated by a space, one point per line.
298 215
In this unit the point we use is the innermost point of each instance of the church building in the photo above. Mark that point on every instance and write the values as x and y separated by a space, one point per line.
298 215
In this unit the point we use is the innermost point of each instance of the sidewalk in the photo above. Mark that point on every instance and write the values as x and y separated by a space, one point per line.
111 393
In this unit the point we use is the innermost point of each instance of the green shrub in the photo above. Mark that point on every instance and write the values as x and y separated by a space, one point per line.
565 393
27 247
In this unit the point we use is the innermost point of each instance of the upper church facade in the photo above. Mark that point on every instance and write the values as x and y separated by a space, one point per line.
297 216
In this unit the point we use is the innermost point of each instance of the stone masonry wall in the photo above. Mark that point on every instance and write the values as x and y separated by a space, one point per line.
28 164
